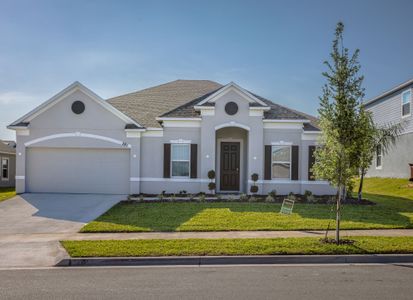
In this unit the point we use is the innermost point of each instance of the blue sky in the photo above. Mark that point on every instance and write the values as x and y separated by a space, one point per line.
273 48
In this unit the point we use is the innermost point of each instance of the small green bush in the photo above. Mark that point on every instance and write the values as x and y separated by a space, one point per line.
201 198
254 177
273 193
211 174
211 186
252 199
307 193
269 199
243 197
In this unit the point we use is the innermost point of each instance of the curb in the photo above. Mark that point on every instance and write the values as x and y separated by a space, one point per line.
235 260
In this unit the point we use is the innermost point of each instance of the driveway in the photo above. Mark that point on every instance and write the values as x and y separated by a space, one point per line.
30 225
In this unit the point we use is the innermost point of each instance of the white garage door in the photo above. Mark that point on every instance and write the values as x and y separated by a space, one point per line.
66 170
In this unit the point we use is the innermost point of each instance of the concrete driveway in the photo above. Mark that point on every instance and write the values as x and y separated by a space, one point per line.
30 225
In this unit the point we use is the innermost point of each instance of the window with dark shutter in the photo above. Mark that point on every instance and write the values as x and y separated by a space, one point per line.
166 160
267 163
194 160
294 162
311 161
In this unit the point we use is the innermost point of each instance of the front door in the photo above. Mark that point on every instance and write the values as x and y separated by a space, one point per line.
230 162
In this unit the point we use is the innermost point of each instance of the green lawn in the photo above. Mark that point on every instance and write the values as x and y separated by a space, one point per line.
123 248
394 209
6 193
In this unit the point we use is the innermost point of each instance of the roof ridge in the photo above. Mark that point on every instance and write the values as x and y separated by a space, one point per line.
190 102
289 108
159 85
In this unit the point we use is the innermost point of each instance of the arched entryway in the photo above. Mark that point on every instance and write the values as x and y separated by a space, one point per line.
231 159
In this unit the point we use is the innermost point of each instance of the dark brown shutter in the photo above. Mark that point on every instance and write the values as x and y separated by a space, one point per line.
294 162
267 163
166 160
311 161
194 160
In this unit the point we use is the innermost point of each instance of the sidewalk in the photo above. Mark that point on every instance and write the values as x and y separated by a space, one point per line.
46 237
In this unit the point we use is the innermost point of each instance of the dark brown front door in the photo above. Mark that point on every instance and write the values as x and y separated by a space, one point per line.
230 156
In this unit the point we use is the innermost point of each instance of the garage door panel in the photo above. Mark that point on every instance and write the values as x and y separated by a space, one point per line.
67 170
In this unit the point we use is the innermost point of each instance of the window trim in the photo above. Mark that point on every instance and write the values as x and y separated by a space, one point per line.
272 161
379 167
8 169
189 160
410 103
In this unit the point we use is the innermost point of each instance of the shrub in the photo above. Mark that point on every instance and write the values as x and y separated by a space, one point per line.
291 196
211 186
307 193
254 188
269 199
201 198
273 193
211 174
243 197
254 177
252 199
182 193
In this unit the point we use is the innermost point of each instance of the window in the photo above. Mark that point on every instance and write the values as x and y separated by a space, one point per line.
5 168
406 99
379 156
281 162
180 160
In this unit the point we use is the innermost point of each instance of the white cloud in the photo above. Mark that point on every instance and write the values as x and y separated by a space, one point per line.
13 97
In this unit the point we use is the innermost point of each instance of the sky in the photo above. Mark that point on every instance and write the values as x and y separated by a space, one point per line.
275 49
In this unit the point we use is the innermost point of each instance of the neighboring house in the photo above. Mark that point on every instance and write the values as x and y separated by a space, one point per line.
165 138
392 107
7 164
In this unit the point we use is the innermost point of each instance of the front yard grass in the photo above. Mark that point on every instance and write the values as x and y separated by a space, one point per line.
7 193
394 209
205 247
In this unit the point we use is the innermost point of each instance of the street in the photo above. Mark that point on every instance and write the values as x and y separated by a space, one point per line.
234 282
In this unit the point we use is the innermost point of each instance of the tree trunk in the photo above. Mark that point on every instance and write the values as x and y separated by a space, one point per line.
360 192
340 193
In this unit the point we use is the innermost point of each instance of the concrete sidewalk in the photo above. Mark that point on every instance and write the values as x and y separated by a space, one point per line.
49 237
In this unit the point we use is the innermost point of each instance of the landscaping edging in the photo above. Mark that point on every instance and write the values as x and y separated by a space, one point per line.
235 260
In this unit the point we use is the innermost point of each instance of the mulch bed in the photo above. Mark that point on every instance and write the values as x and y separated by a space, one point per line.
319 199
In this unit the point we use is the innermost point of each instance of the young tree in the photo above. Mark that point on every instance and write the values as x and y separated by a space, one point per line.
340 106
372 136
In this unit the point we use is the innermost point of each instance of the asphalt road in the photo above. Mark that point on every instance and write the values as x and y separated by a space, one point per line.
236 282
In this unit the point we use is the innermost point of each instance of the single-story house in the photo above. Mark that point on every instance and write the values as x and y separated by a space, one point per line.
392 107
165 138
7 164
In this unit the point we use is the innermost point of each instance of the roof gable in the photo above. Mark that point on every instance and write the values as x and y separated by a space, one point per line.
74 87
232 86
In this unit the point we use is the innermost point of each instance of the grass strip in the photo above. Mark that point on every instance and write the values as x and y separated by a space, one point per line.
216 247
7 193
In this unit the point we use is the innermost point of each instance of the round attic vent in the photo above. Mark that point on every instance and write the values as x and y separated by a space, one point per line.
231 108
78 107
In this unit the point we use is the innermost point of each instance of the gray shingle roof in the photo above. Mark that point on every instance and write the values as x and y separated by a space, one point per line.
4 148
146 105
176 99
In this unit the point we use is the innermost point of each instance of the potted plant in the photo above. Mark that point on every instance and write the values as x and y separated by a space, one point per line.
211 185
254 187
